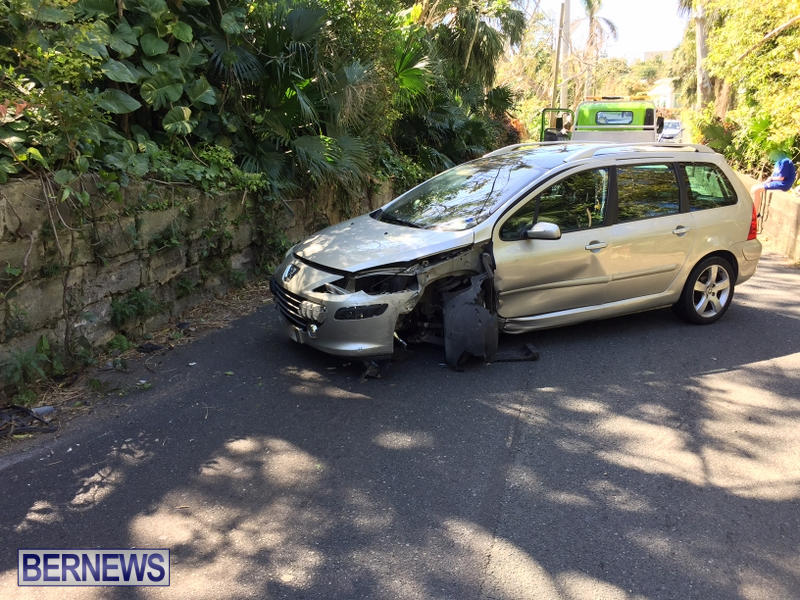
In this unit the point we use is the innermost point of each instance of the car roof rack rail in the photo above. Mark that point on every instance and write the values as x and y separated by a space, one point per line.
506 149
596 150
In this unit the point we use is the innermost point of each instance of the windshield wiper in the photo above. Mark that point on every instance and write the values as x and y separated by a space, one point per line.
390 219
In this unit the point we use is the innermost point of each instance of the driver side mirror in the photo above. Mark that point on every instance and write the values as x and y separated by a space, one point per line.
543 231
659 124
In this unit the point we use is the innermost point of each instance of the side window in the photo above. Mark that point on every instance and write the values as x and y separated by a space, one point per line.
646 191
576 202
708 187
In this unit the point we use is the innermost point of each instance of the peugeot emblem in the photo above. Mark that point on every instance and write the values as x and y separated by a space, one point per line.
290 272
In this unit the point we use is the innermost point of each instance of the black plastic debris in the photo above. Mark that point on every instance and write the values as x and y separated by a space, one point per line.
522 353
16 419
470 327
149 347
375 369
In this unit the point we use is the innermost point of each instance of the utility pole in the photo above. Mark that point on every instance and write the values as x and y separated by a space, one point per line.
566 51
558 55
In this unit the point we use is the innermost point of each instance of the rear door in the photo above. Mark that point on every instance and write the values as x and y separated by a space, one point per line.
651 238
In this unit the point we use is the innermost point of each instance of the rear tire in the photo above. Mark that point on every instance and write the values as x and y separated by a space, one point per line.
708 291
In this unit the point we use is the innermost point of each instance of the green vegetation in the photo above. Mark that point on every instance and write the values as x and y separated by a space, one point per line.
119 343
749 106
135 304
24 368
527 69
736 74
275 97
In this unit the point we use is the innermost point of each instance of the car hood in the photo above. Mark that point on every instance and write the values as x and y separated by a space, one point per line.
364 243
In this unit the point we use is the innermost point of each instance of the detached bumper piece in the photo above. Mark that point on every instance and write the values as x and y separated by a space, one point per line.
470 329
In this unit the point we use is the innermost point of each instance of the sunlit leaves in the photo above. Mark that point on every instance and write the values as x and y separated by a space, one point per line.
92 40
305 23
411 72
178 121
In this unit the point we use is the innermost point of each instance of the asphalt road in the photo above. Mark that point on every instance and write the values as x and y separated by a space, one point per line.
640 457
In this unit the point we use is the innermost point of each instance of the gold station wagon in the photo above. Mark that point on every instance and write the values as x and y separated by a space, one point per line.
528 237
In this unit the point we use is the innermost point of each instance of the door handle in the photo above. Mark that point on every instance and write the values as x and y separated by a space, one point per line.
595 246
680 230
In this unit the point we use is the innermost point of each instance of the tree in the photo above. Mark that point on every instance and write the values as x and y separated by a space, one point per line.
528 70
698 11
600 29
756 48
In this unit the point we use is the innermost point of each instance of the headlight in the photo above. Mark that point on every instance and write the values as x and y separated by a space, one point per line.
360 312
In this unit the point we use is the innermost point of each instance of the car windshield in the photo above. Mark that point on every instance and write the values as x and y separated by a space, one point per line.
672 125
465 195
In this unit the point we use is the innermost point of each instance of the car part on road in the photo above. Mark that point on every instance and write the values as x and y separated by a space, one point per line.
470 327
524 353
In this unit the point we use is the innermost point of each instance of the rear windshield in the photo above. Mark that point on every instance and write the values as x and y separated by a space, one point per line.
464 196
614 117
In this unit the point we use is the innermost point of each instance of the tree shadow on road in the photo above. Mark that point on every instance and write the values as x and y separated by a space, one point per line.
639 457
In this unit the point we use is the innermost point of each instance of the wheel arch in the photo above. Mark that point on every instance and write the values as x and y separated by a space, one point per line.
727 255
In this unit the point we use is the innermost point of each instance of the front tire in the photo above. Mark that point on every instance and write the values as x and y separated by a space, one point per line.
708 291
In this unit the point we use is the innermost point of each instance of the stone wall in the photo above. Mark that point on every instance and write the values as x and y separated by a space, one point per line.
780 221
130 264
69 272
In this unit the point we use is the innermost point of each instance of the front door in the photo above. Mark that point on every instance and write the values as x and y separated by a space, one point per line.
534 277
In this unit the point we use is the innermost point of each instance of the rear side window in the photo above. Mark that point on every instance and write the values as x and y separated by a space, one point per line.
613 117
708 187
646 191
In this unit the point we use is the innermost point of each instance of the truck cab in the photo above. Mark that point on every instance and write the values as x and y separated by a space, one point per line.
616 119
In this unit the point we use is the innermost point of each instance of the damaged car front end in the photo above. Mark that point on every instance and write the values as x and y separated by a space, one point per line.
417 270
363 313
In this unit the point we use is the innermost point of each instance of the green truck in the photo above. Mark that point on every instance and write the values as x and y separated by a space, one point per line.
607 119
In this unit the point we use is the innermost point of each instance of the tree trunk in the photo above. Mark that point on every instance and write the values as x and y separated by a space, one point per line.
474 37
565 52
704 91
593 54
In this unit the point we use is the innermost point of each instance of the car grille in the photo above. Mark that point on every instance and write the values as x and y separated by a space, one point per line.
289 304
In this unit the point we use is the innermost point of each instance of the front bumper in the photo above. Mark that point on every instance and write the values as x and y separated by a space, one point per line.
309 315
